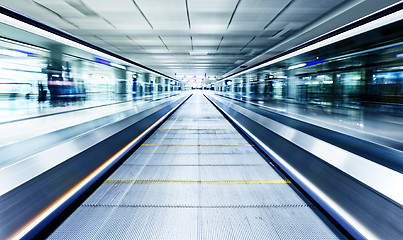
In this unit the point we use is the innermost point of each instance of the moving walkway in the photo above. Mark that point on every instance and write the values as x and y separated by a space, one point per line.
197 177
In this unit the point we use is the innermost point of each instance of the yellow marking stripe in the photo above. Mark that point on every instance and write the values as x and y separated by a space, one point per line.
195 120
197 145
191 129
195 181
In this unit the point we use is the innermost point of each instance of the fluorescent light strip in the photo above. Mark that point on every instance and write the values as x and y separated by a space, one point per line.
6 40
297 66
391 18
38 31
117 65
12 66
12 53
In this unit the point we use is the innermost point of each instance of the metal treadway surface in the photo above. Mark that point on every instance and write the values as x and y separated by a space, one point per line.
196 177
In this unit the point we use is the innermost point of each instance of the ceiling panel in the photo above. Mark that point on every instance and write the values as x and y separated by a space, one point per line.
130 49
157 33
206 40
107 6
229 49
60 7
255 14
172 16
146 41
121 42
180 50
91 23
261 41
235 41
277 26
209 24
127 20
35 11
324 4
113 37
211 15
156 49
122 14
212 6
203 49
172 41
305 10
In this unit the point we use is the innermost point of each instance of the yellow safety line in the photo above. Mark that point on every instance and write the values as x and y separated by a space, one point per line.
192 129
195 181
195 120
198 145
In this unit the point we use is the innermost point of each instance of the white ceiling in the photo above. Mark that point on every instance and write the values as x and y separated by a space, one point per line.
196 36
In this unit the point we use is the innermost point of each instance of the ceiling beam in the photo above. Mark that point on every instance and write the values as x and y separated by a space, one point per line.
142 13
233 13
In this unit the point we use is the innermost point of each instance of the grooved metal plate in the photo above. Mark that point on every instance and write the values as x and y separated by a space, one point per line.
265 223
195 159
146 194
156 173
196 149
201 141
196 178
239 172
130 223
162 159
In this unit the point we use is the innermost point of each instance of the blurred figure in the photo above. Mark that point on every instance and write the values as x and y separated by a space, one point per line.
41 92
